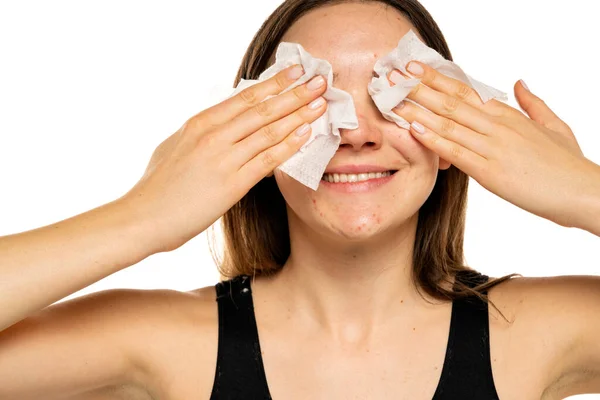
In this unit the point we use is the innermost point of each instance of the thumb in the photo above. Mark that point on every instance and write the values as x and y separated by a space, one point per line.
537 109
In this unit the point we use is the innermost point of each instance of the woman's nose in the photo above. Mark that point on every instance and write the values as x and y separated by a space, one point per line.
368 135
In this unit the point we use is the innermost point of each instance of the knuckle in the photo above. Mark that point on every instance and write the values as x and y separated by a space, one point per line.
249 96
432 75
269 133
263 109
456 151
463 91
281 81
194 126
300 93
416 90
498 110
208 140
448 127
450 105
211 140
268 160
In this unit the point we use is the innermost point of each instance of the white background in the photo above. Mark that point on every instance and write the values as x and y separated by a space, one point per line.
89 89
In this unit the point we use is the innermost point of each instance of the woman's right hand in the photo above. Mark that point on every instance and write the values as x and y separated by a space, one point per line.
218 155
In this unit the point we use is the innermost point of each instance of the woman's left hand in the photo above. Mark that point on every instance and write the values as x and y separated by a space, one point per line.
533 162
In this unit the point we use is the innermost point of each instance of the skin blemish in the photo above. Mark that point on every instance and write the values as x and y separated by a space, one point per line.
321 214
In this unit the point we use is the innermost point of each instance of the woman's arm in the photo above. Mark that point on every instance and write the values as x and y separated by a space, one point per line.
44 265
587 205
85 343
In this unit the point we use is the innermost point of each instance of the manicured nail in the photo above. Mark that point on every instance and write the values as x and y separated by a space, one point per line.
400 105
303 129
524 85
315 83
415 68
316 103
418 127
396 77
295 72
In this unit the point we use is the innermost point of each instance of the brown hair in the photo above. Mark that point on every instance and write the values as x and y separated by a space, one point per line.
256 228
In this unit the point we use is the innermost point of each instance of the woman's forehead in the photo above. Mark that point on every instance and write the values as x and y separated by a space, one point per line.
365 27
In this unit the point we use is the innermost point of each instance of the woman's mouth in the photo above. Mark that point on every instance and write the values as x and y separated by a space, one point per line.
352 183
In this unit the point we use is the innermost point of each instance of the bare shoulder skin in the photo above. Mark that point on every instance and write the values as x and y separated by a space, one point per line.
114 344
534 356
162 344
550 350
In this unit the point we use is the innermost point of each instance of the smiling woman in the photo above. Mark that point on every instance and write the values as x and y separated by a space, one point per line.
358 289
434 204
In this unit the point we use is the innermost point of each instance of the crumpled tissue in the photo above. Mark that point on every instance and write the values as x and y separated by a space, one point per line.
309 163
410 47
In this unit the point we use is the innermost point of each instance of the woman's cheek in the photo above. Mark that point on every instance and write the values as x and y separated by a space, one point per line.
410 149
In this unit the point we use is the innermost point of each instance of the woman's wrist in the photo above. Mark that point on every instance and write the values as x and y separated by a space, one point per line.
586 208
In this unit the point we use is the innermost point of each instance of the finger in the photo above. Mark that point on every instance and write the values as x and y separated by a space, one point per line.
249 97
271 135
443 83
273 109
446 128
464 159
453 108
539 111
267 160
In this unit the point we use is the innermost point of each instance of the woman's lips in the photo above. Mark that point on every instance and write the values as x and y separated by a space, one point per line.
356 187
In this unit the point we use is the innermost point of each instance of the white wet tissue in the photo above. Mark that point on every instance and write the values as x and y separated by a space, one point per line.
410 47
309 163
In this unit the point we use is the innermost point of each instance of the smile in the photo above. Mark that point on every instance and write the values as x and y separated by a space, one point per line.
353 183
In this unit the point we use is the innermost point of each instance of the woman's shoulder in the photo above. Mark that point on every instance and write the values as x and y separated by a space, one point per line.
556 319
559 296
176 340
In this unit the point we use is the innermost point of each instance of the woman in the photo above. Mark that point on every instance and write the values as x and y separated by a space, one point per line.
353 295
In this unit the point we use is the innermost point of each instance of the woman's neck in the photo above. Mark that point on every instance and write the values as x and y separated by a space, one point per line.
349 289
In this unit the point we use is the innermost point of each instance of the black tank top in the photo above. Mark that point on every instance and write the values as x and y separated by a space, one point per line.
240 374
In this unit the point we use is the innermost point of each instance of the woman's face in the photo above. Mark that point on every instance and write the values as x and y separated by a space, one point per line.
352 37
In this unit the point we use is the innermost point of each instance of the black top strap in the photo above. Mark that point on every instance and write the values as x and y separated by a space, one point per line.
240 372
467 370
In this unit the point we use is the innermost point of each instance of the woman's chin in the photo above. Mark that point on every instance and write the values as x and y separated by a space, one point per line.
353 227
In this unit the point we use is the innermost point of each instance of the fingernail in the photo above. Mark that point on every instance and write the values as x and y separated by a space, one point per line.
295 72
396 77
524 85
400 105
415 68
316 83
418 127
316 103
302 130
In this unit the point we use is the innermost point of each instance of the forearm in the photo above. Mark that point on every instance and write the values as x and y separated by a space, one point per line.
587 206
44 265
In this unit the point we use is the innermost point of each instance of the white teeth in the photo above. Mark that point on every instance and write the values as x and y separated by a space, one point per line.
336 178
